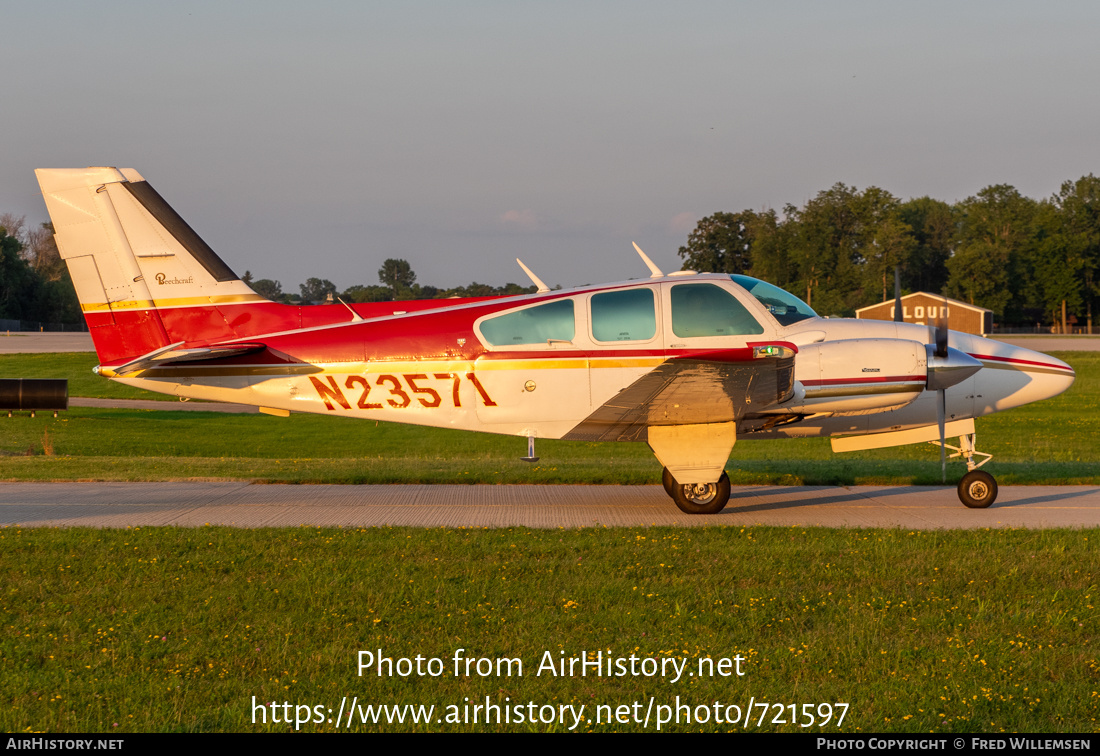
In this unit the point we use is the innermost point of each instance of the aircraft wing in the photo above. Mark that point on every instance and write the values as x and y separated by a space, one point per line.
715 387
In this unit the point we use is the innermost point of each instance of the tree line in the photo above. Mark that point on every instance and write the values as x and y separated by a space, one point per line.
34 282
1019 257
396 281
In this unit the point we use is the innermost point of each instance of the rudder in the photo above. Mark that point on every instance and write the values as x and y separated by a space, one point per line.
144 278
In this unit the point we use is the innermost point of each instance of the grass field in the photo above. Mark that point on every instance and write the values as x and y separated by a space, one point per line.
1052 442
178 629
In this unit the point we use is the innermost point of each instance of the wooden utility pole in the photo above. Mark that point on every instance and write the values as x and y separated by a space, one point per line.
1063 316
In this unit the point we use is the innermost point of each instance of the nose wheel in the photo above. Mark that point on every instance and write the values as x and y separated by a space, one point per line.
697 498
977 489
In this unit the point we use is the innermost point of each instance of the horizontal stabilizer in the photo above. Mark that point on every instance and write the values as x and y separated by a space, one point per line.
171 355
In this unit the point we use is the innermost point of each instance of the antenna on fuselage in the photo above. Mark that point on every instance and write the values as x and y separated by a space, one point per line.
355 317
653 269
539 285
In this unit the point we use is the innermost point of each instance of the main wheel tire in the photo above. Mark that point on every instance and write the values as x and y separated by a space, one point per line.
667 481
701 498
977 489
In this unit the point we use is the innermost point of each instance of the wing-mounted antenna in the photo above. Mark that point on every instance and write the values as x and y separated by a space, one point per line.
653 269
539 285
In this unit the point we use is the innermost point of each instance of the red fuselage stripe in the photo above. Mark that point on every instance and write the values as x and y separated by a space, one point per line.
1015 361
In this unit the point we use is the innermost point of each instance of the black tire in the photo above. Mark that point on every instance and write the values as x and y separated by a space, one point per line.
709 498
667 481
977 489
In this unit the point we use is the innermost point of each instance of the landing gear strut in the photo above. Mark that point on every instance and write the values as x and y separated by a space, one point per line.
697 498
977 489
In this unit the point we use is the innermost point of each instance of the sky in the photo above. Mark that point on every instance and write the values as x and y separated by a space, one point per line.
317 140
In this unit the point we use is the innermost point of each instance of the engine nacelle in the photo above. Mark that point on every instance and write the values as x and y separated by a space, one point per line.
857 376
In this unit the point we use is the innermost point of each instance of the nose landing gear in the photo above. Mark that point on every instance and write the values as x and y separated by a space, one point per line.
977 489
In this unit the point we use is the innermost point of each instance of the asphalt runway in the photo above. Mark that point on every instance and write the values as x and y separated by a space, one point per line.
246 505
14 342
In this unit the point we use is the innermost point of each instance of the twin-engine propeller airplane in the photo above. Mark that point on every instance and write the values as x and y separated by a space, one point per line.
688 363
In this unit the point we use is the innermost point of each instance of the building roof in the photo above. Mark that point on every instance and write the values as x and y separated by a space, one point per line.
938 297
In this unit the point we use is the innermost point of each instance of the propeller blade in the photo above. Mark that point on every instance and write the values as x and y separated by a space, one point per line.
897 297
941 417
941 331
946 367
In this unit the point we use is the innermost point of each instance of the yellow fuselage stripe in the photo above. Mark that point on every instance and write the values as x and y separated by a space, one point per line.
146 304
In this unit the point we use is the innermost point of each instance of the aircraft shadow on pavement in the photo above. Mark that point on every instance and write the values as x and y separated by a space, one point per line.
798 498
1062 495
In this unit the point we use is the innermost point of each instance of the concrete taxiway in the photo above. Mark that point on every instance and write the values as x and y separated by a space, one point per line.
245 505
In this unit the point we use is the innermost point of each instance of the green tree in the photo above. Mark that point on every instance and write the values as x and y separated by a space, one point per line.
398 275
268 289
317 290
831 240
721 243
476 289
20 288
772 242
886 242
359 293
1072 249
996 237
1055 265
933 225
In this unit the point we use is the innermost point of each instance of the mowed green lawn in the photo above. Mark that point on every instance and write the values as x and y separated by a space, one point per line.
173 629
1056 441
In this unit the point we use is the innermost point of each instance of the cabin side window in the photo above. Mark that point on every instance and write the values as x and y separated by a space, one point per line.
535 325
626 315
703 309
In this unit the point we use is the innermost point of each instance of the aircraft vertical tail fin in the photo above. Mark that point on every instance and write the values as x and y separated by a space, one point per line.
144 278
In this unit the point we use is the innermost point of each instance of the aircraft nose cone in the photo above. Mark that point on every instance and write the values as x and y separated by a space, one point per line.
1059 379
1014 376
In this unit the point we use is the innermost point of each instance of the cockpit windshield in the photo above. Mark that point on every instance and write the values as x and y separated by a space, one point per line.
784 307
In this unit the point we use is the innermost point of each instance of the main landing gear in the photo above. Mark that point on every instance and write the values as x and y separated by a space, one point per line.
977 489
697 498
